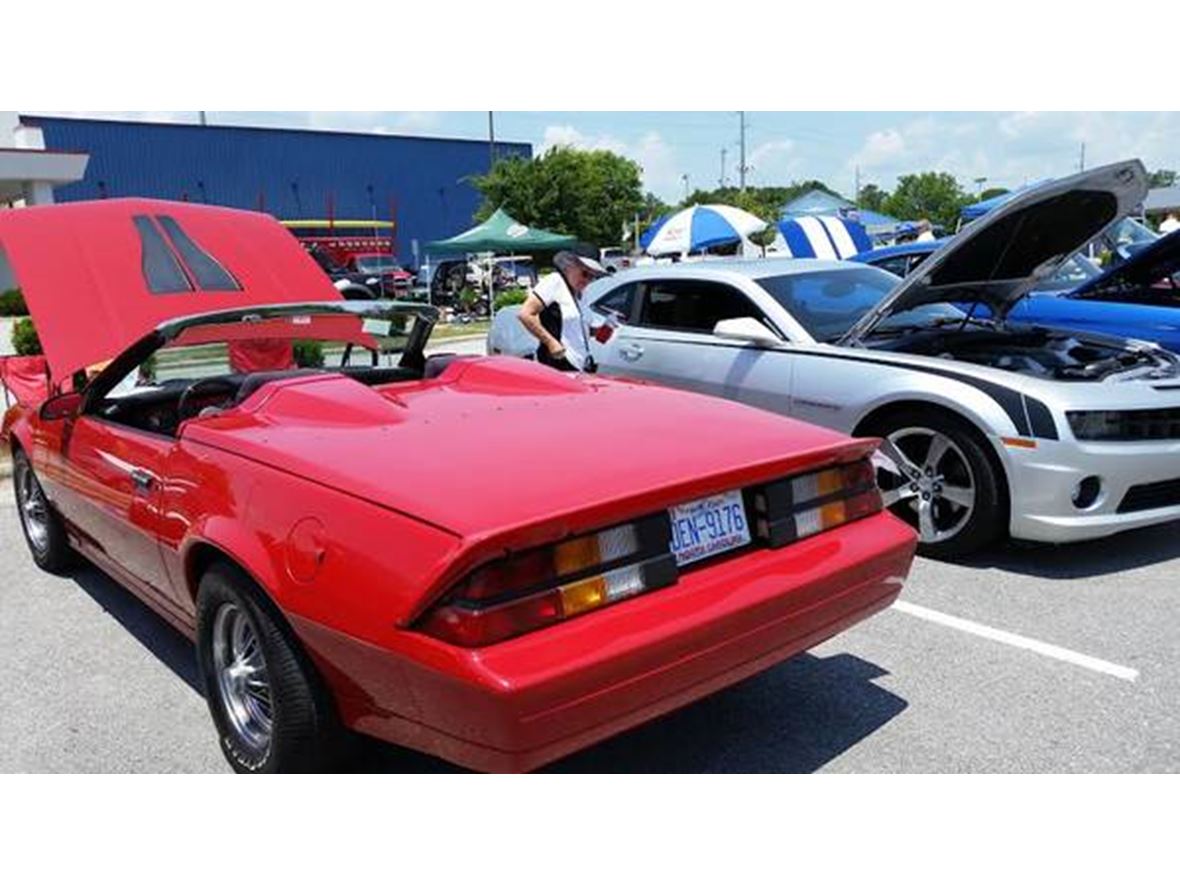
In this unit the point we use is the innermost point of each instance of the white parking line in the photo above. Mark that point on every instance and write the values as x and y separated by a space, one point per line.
1014 639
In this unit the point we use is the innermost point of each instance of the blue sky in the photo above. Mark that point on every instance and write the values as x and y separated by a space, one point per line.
1006 148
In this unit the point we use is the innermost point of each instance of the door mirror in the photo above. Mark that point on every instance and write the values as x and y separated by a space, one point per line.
64 405
746 329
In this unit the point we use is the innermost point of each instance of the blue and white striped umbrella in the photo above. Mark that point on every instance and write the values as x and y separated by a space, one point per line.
697 228
823 236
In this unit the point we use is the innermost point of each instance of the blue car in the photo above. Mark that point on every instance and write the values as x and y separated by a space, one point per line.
1137 298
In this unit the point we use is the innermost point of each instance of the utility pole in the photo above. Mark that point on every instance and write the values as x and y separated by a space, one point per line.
979 185
1082 159
203 118
742 168
721 180
856 190
491 139
684 178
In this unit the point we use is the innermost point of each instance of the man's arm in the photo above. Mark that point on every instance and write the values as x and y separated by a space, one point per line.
530 318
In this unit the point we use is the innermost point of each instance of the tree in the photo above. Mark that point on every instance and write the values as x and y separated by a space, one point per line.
992 192
935 196
765 202
872 198
592 195
1162 178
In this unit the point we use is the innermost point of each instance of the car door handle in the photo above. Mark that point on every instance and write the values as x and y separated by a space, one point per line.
631 351
142 480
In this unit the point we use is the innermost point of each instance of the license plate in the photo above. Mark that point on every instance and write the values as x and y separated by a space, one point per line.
708 526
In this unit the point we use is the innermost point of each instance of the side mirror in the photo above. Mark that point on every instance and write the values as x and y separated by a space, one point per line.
745 329
64 405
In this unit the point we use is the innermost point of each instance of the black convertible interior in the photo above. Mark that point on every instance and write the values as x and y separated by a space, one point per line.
163 407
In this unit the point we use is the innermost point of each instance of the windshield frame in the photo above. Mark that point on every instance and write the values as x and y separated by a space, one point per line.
423 318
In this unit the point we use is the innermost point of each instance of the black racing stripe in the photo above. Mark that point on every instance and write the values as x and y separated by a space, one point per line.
1040 418
1008 399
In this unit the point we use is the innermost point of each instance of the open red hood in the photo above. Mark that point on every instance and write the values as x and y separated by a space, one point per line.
97 276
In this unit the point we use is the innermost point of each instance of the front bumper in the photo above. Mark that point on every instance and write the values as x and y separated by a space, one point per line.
522 703
1042 480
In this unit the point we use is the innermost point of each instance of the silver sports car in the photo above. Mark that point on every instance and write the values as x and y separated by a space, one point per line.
988 427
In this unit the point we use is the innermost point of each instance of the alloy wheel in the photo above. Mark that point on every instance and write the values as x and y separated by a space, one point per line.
927 480
242 684
34 508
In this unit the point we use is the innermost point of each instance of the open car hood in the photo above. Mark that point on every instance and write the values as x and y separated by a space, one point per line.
1145 267
999 258
97 276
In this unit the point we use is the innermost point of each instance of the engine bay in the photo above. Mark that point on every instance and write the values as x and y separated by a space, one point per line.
1035 351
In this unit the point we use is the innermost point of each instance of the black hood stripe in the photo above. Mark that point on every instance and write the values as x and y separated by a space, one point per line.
1029 415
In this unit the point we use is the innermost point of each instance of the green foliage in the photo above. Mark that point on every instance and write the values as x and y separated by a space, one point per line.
308 354
1162 178
468 297
765 202
989 193
935 196
24 338
592 195
509 297
12 304
872 198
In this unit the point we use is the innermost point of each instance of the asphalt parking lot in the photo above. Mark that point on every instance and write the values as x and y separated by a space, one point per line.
94 681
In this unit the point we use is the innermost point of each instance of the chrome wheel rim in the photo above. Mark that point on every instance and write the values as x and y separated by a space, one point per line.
927 480
242 683
34 509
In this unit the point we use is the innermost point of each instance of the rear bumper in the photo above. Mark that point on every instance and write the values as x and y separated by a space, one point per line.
517 705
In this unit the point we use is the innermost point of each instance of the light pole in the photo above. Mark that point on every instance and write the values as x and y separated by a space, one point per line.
979 185
684 178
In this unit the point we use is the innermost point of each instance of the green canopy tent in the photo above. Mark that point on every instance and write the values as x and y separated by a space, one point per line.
502 233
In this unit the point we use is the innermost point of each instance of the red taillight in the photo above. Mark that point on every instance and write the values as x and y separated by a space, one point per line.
603 333
799 506
529 590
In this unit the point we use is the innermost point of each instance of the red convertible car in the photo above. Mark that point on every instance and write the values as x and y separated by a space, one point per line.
479 558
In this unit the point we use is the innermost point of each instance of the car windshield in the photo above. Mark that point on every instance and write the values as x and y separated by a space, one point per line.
1072 273
376 263
828 303
357 336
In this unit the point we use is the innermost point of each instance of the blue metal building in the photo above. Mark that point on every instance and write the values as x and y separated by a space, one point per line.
421 183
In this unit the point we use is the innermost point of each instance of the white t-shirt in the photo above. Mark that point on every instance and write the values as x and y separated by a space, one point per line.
552 289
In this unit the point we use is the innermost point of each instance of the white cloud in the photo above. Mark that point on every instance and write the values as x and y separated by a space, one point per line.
656 158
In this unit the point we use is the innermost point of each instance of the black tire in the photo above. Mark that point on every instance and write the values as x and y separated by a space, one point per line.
988 519
304 734
50 546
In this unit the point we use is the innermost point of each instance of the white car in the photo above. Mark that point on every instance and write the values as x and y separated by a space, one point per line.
988 428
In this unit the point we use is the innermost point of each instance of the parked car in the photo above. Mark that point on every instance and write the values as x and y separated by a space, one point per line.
364 276
988 426
1137 297
309 529
615 259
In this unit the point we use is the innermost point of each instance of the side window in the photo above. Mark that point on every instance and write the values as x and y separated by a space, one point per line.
899 264
617 304
693 305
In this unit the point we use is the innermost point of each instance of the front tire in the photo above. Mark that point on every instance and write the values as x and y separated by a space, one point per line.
44 532
266 701
935 473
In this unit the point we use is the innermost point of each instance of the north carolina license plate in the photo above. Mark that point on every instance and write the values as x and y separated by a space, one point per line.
708 526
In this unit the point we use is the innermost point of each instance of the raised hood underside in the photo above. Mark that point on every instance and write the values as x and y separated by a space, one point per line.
98 276
999 258
1146 267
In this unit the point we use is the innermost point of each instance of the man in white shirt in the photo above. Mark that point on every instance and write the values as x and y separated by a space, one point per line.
552 315
1170 224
